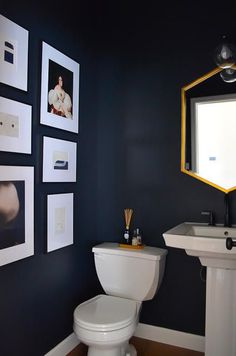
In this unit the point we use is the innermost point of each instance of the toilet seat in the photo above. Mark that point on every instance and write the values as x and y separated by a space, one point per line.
105 313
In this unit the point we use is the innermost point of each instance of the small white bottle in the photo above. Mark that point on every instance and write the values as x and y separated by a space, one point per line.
134 239
139 237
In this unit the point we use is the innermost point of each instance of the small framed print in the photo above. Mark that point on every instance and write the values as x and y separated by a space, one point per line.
59 160
14 54
59 90
59 221
15 126
17 213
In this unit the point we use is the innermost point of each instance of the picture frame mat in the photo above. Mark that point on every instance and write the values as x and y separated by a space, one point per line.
19 114
18 173
60 220
15 75
47 118
51 145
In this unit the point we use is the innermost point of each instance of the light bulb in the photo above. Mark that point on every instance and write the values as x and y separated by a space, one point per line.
228 75
225 55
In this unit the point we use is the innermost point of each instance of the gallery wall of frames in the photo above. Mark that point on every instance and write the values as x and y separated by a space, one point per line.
59 109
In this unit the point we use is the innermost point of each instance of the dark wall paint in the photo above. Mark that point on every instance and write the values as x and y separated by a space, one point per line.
157 50
40 293
134 60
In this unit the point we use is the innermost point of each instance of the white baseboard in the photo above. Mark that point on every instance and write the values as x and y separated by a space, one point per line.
144 331
171 337
66 346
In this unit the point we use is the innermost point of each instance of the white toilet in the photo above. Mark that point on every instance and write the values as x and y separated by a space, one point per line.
106 322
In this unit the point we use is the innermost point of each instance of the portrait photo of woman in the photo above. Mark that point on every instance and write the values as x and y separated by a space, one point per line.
60 87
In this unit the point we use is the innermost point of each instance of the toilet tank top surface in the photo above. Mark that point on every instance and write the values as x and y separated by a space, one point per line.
105 313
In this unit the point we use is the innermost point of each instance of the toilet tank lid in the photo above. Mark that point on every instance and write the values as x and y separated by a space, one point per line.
148 252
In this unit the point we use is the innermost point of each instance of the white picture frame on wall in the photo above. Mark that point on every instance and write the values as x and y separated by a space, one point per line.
13 54
17 213
15 126
59 160
59 90
60 221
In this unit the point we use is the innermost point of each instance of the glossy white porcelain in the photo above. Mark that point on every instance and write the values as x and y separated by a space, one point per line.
116 267
106 322
106 313
209 244
204 241
220 312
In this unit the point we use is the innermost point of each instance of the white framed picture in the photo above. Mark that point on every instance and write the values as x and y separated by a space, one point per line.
13 54
17 213
15 126
59 160
59 90
60 218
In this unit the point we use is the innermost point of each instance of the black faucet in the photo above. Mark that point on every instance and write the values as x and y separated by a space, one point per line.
226 212
211 216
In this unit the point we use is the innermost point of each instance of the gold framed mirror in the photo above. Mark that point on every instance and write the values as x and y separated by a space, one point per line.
208 131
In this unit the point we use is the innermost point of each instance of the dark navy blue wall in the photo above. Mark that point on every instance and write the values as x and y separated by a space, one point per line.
134 61
156 50
40 293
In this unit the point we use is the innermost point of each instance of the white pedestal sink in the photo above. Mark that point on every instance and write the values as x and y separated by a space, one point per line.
208 243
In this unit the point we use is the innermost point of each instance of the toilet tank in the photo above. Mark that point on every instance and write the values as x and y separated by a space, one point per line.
127 273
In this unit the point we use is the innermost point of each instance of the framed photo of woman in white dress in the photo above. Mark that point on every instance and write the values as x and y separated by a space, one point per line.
59 90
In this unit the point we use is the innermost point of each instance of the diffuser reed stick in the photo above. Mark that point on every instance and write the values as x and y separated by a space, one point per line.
128 216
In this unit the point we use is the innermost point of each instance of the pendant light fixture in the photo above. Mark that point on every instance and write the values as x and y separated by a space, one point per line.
225 58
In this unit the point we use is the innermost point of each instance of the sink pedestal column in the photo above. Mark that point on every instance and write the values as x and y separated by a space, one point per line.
220 336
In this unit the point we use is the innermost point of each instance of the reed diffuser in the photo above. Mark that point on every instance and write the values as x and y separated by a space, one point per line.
128 215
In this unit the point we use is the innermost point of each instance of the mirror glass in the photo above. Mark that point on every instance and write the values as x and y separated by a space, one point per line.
208 131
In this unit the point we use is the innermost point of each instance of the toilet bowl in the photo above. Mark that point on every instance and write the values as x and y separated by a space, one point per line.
106 323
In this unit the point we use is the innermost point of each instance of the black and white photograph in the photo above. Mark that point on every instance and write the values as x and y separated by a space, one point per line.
14 54
16 213
15 126
59 160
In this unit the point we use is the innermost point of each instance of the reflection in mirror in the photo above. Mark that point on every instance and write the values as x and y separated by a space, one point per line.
213 130
208 132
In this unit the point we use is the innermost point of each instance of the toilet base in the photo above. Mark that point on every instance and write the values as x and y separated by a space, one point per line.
131 351
123 350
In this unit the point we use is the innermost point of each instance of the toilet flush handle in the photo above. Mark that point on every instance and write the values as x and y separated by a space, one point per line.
230 243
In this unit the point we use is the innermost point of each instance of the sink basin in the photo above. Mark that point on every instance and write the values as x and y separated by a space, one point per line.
204 241
209 244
